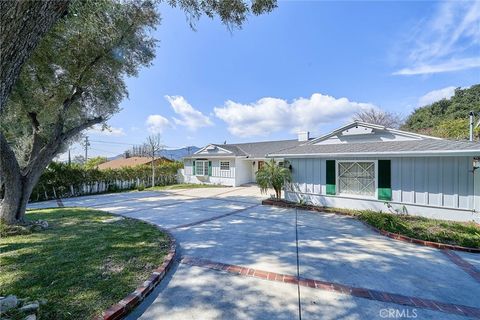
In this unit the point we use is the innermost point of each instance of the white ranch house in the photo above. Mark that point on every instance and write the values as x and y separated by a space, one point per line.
360 166
231 164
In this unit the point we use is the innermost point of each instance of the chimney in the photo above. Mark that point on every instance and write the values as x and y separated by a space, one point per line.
303 136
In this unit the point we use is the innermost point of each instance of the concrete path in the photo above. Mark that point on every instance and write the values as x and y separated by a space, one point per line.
241 260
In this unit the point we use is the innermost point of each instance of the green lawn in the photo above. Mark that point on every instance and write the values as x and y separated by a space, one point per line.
185 186
465 234
84 262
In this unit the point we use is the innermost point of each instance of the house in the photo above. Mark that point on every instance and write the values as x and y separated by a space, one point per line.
232 164
366 166
131 162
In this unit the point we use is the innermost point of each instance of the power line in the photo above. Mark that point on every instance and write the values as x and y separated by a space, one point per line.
112 142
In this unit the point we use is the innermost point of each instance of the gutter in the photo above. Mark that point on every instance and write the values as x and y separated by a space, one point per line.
437 153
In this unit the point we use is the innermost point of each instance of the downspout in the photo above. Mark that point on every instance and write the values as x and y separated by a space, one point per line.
471 126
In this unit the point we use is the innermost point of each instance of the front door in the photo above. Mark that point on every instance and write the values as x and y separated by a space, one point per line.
260 164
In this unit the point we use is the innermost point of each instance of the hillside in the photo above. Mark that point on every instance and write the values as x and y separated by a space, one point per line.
447 118
178 154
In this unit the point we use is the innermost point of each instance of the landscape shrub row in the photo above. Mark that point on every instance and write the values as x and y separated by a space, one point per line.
63 180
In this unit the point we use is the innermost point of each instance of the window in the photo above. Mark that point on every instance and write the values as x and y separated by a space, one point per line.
201 168
357 178
225 165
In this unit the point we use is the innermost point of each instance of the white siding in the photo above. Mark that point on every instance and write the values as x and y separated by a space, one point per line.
244 172
433 181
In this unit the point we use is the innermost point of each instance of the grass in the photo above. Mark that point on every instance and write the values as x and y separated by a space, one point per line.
84 262
466 234
185 186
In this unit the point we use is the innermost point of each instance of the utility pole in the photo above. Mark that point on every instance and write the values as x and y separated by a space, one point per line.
69 158
87 144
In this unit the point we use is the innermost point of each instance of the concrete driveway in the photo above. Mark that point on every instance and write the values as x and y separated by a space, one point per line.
241 260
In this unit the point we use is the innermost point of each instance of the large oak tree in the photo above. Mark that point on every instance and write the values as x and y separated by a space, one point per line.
23 23
75 79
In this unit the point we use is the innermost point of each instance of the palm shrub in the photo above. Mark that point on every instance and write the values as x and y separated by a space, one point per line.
273 175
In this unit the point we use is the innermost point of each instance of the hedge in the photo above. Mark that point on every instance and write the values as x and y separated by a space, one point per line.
61 180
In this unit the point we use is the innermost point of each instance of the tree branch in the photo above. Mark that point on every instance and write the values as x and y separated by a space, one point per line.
87 124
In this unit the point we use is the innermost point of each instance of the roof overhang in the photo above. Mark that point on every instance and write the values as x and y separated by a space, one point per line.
206 156
429 153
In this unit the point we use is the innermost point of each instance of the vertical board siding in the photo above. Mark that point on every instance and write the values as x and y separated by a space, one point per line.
407 173
434 181
216 172
434 178
419 181
448 182
463 182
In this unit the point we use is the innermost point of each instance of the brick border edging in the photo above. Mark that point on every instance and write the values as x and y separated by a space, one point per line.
395 236
358 292
128 303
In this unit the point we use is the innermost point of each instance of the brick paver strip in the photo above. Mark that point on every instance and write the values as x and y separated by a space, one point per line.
464 265
338 288
212 218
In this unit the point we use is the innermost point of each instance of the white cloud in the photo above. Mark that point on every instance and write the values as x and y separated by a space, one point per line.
447 41
454 65
106 131
157 123
269 115
436 95
190 118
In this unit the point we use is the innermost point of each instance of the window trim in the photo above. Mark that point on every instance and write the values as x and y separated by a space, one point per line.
224 161
203 167
360 196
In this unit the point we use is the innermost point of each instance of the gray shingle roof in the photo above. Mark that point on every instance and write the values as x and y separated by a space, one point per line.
385 147
259 149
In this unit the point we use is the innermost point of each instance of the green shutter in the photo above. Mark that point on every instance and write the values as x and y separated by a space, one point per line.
330 177
209 168
384 180
194 170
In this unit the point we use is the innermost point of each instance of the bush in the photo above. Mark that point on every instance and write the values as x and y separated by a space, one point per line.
62 180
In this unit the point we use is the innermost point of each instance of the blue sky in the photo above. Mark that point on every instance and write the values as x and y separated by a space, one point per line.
308 65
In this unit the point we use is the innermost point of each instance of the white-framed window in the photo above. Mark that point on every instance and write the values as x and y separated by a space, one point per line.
201 167
225 165
357 178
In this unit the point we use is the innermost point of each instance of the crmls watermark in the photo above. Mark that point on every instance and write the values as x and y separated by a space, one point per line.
391 313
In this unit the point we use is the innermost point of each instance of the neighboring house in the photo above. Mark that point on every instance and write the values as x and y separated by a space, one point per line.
232 164
131 162
365 166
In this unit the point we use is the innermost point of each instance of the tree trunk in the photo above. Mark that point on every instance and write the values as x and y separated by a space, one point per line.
22 25
18 186
278 193
17 194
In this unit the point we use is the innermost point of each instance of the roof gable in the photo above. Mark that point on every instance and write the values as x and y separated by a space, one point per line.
361 132
213 149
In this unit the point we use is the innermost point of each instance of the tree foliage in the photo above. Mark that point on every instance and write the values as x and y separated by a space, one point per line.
22 26
447 118
380 117
60 179
273 175
93 163
76 79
